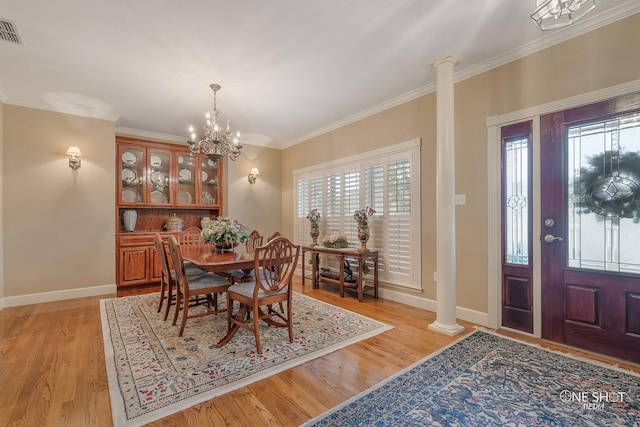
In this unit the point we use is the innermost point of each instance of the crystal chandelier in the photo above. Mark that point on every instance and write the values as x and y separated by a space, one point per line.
552 14
216 142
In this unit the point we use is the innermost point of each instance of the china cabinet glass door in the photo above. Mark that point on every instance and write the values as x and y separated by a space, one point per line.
209 181
132 175
159 165
186 166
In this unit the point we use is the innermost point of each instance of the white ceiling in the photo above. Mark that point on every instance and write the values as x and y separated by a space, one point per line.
289 69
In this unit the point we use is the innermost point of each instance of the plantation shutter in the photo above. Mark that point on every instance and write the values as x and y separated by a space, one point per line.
398 219
333 211
374 197
351 202
303 203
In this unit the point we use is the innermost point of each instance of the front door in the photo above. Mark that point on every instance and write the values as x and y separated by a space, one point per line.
590 185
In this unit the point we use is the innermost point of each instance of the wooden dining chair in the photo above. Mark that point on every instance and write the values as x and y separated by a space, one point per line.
274 235
190 236
188 287
274 263
168 276
253 241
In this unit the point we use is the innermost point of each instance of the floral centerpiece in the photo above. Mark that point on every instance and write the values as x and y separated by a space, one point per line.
335 240
225 233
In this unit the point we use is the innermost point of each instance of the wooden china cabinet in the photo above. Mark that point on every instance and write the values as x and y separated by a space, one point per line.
158 180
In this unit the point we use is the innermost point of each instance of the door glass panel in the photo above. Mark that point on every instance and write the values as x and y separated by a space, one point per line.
603 206
516 200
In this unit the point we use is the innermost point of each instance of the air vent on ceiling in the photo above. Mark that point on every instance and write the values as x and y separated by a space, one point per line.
9 32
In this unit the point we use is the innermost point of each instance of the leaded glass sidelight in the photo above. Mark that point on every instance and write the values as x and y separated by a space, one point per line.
516 201
603 202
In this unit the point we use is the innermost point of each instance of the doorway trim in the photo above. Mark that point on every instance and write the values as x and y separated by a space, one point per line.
494 123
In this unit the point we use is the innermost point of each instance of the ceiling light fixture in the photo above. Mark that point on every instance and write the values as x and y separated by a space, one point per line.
217 142
552 14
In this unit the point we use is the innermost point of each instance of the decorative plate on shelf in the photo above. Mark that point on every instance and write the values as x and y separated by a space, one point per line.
207 198
155 161
158 197
129 158
157 177
180 160
128 175
204 176
130 196
184 197
184 175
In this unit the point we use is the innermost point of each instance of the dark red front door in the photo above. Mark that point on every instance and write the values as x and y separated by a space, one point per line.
590 185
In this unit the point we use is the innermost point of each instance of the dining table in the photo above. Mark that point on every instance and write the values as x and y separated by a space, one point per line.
207 257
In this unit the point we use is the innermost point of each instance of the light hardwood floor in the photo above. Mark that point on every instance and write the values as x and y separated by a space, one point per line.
53 373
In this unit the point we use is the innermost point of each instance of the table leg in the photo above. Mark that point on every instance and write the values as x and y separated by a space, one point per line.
360 288
314 270
375 277
303 266
341 259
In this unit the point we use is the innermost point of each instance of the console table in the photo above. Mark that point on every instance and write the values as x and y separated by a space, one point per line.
341 254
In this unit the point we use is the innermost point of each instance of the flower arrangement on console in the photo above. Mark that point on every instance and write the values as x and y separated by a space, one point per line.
362 216
314 217
335 240
224 231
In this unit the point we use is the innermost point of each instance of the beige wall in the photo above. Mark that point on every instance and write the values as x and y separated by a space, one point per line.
58 225
255 205
600 59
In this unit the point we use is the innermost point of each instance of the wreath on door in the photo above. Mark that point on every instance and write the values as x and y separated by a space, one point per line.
610 185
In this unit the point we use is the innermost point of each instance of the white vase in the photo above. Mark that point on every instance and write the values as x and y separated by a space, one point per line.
129 218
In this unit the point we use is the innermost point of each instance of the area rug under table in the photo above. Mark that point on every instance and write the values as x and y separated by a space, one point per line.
488 380
153 373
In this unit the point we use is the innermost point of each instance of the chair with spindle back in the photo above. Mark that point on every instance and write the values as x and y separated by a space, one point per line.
190 236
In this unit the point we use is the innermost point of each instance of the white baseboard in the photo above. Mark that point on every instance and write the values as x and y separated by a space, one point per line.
56 296
462 313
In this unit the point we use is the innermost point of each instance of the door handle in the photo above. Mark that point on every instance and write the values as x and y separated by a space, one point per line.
550 238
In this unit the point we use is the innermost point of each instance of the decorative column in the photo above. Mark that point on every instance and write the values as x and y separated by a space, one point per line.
445 199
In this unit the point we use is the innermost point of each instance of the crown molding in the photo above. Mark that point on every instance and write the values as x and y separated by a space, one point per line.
66 109
150 135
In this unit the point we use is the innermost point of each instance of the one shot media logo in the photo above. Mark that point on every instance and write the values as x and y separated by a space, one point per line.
592 400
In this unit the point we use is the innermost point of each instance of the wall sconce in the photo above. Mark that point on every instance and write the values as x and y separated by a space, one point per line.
253 175
74 157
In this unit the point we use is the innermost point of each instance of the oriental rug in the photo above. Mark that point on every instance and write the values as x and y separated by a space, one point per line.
488 380
152 372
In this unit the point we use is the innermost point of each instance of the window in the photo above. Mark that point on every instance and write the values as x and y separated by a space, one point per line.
387 180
